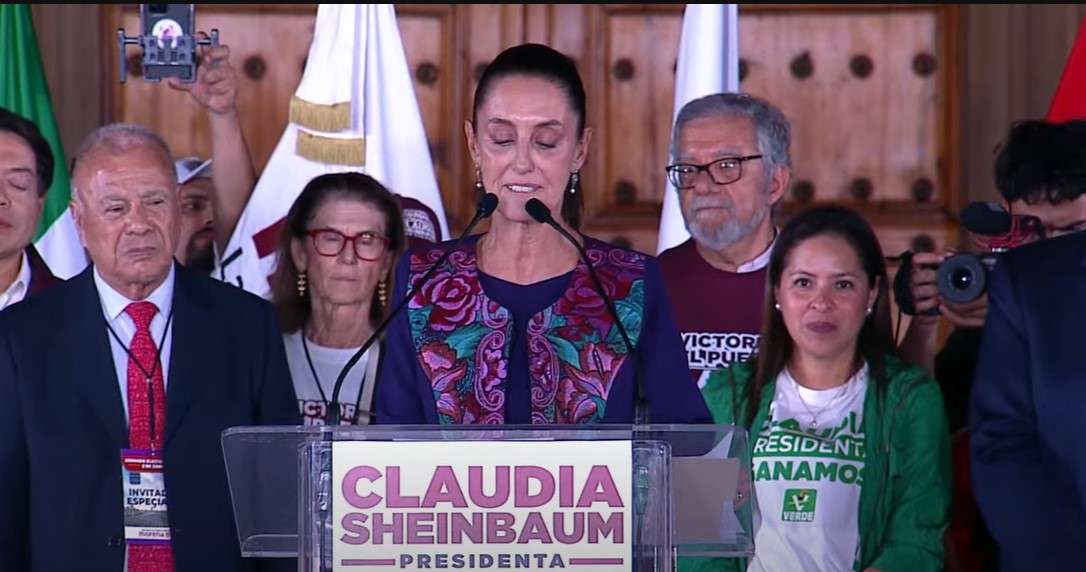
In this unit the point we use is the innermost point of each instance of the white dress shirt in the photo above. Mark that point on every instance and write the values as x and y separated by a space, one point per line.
113 306
18 289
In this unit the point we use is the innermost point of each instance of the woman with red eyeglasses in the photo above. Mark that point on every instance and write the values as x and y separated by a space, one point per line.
331 287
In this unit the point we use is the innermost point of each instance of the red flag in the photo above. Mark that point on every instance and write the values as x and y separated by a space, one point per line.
1070 99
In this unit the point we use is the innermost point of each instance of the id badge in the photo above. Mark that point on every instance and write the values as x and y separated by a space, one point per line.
145 520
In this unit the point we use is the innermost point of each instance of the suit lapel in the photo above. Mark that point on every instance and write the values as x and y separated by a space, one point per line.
191 351
91 367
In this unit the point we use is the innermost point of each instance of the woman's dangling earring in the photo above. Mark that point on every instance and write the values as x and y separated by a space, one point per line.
301 284
479 180
574 181
382 293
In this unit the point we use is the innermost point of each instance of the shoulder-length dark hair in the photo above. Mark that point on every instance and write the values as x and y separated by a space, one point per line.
875 340
294 310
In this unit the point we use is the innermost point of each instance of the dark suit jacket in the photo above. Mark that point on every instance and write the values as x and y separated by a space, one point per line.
40 276
62 425
1028 406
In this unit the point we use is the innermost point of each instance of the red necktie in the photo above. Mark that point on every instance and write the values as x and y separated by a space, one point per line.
145 557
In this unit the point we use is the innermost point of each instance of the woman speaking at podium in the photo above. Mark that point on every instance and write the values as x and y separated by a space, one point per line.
511 328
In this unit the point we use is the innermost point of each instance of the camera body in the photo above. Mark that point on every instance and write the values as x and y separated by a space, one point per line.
961 278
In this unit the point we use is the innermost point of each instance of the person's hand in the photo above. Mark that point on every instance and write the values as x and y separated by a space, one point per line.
967 315
216 85
922 284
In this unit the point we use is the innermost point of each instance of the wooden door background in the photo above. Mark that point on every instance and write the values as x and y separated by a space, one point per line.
874 120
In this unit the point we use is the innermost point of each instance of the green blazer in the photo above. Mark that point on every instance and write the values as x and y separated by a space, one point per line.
905 493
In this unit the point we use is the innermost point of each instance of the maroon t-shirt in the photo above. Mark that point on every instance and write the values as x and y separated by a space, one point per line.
718 313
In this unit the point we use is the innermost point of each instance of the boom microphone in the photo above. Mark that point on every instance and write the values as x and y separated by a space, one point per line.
539 211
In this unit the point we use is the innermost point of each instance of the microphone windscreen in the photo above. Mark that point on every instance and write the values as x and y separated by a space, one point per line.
985 219
487 204
538 210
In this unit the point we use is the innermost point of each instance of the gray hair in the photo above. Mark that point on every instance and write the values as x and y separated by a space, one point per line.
116 139
772 128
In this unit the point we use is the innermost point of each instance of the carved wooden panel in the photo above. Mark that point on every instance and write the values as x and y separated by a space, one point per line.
268 47
871 92
865 117
641 47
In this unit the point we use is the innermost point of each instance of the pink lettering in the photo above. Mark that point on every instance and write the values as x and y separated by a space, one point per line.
524 476
380 529
355 526
499 528
599 487
599 528
460 527
350 486
392 489
444 488
534 529
501 487
560 533
565 486
420 528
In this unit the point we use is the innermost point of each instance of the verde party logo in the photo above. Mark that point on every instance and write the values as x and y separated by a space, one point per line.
799 505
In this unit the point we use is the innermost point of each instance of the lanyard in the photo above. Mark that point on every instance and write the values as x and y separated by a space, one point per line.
157 366
316 380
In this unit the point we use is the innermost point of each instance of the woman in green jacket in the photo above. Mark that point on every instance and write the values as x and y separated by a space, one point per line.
850 450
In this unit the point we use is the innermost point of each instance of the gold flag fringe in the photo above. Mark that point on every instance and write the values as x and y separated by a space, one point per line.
331 150
319 117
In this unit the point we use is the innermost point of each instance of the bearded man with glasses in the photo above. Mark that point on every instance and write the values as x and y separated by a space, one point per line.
730 166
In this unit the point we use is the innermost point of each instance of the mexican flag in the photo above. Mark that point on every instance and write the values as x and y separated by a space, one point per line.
23 91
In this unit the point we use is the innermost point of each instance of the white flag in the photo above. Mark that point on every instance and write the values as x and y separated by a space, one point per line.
354 110
708 63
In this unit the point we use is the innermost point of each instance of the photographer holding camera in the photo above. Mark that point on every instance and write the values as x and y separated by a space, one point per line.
1039 172
1029 392
1036 178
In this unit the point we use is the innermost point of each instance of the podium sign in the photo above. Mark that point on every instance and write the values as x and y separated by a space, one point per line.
581 498
523 505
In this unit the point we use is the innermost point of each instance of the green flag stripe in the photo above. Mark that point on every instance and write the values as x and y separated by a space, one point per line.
23 90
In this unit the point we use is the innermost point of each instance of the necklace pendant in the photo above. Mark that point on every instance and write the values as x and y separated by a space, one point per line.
813 424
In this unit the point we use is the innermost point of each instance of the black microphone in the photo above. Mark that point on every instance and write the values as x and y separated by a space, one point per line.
485 207
541 213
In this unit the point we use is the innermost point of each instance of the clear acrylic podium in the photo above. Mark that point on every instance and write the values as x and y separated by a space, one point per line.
690 485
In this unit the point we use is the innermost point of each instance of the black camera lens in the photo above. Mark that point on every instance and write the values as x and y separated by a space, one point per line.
962 278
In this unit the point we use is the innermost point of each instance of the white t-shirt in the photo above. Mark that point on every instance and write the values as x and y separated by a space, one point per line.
17 290
327 362
808 462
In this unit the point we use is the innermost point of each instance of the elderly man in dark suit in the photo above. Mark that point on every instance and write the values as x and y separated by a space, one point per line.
26 172
134 368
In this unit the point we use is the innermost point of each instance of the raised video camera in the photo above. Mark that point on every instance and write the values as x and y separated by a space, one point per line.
168 40
964 277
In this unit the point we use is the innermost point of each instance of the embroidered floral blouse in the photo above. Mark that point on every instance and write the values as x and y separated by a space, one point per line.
472 348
